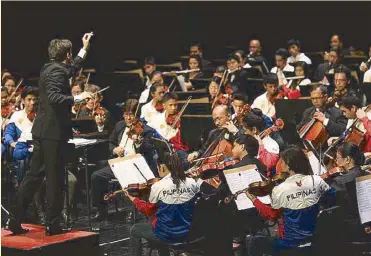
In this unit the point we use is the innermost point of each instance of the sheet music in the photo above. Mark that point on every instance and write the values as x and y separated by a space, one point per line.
125 170
240 178
314 163
82 141
363 186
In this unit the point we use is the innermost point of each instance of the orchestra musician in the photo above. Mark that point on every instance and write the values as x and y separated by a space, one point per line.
195 48
253 123
332 118
194 62
337 41
50 133
121 145
350 159
342 79
333 61
293 46
9 83
265 102
171 202
282 65
254 55
292 90
77 88
365 67
242 55
5 73
293 206
149 68
154 107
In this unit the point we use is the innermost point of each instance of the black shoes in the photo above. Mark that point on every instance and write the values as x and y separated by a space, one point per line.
55 228
15 227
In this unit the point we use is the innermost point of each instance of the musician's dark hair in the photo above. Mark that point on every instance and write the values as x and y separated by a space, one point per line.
130 106
340 36
198 58
170 96
337 50
348 149
197 44
350 101
175 165
241 52
150 60
284 53
322 88
220 69
255 119
155 86
6 79
215 79
4 89
304 66
79 83
251 144
270 78
30 90
345 70
234 57
5 71
58 49
297 160
293 41
239 96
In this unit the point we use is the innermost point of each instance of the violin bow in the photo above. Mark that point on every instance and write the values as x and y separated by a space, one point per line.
178 116
220 86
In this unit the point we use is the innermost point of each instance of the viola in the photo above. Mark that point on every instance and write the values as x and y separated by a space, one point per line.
136 128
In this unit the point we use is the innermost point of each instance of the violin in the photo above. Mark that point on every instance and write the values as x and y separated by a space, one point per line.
140 190
136 128
99 111
239 118
159 107
212 166
221 99
171 119
79 106
278 125
277 96
333 172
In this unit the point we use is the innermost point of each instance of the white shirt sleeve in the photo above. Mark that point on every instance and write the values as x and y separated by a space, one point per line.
82 53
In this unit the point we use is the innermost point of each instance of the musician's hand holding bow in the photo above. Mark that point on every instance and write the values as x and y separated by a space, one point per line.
81 97
118 151
319 116
250 196
192 156
126 192
231 127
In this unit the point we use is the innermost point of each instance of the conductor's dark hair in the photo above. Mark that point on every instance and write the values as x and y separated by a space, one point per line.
345 70
251 144
170 96
58 49
255 119
322 88
297 160
304 66
348 149
175 165
284 53
155 86
130 106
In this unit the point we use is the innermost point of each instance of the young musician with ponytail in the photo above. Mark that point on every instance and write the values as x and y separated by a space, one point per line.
171 202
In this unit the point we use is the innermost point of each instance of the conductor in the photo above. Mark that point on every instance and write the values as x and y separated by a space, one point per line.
51 131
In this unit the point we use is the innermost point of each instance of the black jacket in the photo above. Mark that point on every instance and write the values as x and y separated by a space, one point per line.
337 121
53 119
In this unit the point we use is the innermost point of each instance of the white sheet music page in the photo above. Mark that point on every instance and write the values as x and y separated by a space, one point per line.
363 186
314 163
240 178
126 171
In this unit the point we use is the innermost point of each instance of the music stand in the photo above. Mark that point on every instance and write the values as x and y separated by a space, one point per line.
84 124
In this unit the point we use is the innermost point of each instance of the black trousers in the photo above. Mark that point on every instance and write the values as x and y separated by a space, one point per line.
47 160
99 185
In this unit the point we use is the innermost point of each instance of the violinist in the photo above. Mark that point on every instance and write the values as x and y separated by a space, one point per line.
213 88
342 81
242 56
282 66
238 101
9 83
165 126
235 75
253 124
7 108
120 145
76 89
332 118
334 57
265 102
295 205
171 203
149 66
223 121
93 108
5 73
349 158
155 107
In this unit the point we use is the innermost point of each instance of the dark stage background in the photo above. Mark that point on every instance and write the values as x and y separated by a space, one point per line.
164 29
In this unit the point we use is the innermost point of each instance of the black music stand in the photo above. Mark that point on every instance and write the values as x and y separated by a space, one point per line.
291 111
84 125
195 129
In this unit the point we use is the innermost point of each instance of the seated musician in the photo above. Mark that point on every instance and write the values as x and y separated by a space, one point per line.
253 123
9 83
171 202
349 105
7 108
149 66
254 55
155 107
76 89
294 204
242 55
332 118
213 88
223 122
121 145
343 85
366 67
293 46
292 89
194 62
195 48
101 115
334 56
146 96
282 66
235 75
164 125
264 101
5 73
350 158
